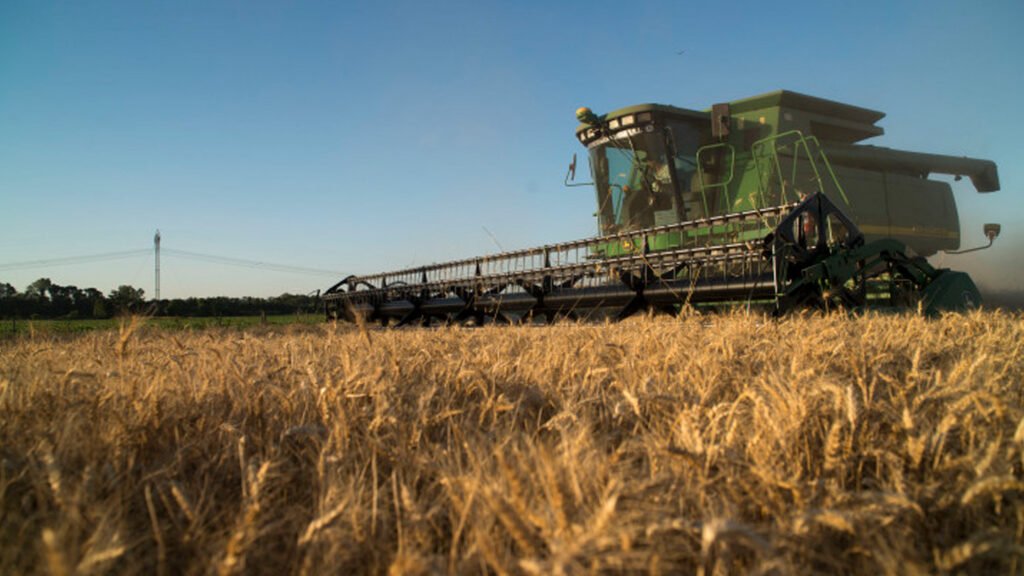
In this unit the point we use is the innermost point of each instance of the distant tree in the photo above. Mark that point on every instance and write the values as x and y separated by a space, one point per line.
99 308
9 300
95 302
45 299
126 298
82 302
62 299
39 290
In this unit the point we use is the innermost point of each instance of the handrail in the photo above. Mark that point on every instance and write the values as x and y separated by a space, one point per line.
724 185
760 155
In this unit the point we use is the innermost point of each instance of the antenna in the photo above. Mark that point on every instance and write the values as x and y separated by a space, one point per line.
156 248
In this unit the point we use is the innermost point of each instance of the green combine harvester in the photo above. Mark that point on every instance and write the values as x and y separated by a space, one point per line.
769 201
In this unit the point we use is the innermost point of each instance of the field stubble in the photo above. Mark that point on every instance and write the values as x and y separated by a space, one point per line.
723 444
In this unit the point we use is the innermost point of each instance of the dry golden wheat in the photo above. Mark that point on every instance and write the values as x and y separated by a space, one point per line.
703 444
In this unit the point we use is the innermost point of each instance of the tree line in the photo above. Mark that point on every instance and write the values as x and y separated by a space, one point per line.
45 299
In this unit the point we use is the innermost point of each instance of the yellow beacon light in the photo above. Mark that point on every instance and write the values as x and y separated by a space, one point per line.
586 115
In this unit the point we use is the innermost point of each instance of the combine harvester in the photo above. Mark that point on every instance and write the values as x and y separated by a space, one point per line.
768 201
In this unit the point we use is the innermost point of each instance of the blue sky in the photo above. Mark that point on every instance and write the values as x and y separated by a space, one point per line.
358 137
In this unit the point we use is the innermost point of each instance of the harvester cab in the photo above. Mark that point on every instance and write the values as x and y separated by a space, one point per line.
770 200
770 150
644 163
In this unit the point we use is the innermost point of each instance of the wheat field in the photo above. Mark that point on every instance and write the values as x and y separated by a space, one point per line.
702 444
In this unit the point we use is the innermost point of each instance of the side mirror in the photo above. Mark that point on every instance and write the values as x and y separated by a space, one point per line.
992 231
570 175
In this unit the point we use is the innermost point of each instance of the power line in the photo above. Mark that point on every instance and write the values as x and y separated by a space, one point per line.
250 263
74 260
212 258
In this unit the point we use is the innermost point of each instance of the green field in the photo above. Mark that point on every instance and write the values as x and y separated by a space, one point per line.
9 327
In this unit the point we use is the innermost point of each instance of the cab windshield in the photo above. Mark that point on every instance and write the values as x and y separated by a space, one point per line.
636 188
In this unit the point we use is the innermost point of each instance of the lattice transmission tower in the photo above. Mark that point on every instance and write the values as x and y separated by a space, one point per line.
156 251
